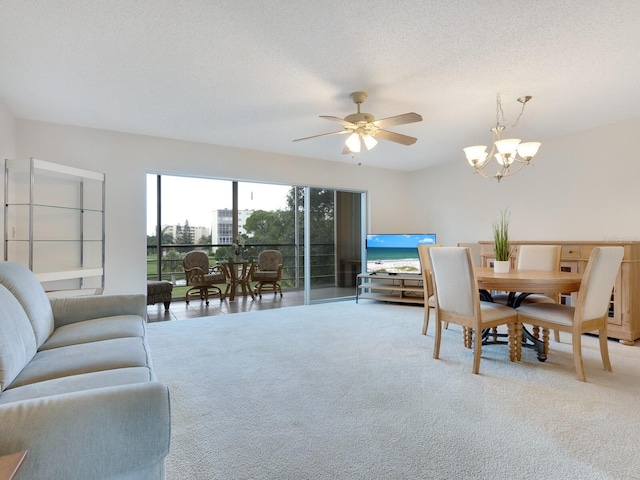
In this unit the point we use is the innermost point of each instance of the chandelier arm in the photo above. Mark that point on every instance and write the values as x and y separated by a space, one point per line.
510 171
485 175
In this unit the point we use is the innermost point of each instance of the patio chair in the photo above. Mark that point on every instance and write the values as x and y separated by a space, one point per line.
202 278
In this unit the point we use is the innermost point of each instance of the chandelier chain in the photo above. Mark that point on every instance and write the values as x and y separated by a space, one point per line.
500 113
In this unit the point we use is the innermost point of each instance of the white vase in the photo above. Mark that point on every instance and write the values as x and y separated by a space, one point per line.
501 266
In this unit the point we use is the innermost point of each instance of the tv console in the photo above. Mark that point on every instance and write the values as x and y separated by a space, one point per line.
396 288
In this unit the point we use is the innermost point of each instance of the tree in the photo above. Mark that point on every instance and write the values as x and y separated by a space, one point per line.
278 227
269 227
184 235
321 210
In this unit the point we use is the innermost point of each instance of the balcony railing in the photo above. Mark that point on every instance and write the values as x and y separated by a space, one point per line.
323 264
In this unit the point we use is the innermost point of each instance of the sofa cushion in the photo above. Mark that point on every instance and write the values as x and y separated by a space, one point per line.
95 330
17 341
84 358
24 285
78 383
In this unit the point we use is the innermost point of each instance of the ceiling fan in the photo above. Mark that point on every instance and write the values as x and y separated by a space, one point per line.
364 128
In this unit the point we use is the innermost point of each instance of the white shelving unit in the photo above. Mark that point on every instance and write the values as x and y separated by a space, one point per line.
390 288
54 224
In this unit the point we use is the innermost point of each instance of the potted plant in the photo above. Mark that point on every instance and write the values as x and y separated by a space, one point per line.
238 248
501 246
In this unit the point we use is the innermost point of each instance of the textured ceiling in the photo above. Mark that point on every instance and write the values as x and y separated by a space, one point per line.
256 74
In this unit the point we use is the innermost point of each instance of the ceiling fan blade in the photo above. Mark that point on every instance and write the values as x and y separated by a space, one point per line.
395 137
323 135
339 120
398 120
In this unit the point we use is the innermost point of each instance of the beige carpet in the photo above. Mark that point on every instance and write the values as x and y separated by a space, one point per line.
351 391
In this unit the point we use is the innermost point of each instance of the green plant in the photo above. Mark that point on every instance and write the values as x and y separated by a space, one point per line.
501 236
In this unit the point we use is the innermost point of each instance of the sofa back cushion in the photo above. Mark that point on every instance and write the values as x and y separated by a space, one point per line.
24 285
17 340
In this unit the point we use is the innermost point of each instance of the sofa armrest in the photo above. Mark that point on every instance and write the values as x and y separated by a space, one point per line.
100 433
77 309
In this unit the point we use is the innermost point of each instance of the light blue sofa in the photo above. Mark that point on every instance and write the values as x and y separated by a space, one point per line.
77 388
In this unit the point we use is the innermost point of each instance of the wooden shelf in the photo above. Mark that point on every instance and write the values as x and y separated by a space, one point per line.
390 288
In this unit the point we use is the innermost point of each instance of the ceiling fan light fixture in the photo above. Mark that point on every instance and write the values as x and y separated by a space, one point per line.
353 143
369 141
363 127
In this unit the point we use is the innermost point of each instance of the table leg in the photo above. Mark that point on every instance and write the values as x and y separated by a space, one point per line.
246 287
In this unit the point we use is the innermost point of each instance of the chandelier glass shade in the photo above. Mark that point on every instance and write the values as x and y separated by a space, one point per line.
505 151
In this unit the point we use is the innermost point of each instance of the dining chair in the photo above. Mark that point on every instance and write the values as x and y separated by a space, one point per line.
429 299
590 312
544 258
456 295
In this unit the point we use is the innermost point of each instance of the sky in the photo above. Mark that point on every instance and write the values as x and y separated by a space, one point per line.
193 199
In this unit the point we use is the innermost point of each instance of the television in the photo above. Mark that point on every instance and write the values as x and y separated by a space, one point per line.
394 253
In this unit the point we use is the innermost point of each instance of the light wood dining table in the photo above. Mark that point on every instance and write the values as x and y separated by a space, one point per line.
519 284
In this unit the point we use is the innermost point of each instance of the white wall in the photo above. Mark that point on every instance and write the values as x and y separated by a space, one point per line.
584 186
7 149
126 158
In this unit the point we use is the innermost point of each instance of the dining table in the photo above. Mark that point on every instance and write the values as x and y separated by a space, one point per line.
520 284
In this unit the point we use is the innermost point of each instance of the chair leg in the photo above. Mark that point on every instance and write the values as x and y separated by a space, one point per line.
477 351
205 292
577 356
556 336
436 344
604 349
519 341
425 324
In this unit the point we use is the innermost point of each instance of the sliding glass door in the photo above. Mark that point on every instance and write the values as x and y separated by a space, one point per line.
186 213
335 243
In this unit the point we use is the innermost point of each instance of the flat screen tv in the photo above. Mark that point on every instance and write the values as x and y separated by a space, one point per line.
394 254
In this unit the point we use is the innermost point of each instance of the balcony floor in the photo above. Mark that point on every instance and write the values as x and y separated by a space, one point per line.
180 310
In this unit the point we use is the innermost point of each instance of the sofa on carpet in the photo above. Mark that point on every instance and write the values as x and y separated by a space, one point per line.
77 388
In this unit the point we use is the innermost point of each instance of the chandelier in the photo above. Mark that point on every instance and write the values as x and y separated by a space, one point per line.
509 150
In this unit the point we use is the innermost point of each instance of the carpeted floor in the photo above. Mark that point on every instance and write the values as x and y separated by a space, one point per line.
351 391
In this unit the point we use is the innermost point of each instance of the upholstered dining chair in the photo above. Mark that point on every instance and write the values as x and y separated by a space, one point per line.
590 312
457 301
544 258
429 299
202 279
268 272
